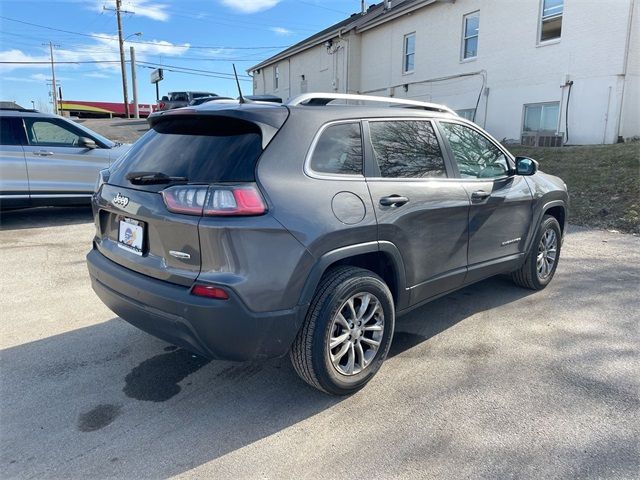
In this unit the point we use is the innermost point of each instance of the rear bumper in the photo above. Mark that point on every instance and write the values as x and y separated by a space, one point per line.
219 329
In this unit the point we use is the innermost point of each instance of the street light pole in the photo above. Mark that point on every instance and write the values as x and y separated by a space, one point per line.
134 83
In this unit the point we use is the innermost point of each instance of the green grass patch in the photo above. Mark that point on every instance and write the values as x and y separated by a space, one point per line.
603 182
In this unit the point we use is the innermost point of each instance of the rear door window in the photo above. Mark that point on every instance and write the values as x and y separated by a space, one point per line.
10 133
339 150
203 149
407 149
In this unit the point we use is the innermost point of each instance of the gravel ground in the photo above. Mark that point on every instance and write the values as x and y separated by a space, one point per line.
117 129
490 382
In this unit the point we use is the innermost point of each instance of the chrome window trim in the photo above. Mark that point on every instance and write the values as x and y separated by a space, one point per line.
310 172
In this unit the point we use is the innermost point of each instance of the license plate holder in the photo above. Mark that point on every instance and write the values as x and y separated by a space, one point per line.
131 235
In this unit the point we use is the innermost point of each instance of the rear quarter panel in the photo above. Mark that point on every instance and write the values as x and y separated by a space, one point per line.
305 205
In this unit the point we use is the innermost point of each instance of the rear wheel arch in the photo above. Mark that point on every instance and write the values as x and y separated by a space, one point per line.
382 258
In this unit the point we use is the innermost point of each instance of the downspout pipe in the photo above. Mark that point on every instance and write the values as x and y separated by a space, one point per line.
624 70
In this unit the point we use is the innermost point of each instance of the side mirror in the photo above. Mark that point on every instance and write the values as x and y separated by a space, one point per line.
526 166
86 142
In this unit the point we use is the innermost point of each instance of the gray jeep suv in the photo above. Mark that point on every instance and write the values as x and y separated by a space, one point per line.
253 230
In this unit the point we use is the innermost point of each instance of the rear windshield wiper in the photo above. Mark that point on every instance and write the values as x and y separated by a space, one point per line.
153 178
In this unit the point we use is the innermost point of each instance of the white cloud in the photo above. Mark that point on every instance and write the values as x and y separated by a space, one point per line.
250 6
34 78
149 9
141 8
41 77
281 31
96 75
15 55
103 49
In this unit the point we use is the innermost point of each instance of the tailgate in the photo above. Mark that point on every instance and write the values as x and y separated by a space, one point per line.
164 245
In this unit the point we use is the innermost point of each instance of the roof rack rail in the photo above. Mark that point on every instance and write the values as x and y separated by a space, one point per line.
322 99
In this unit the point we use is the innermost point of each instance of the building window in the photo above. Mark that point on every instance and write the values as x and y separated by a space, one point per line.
467 113
541 117
409 53
276 77
551 20
470 25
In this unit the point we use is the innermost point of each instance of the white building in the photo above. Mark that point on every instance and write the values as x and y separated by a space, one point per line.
546 69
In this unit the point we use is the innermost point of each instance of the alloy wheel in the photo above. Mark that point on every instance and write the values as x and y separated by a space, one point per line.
547 253
356 333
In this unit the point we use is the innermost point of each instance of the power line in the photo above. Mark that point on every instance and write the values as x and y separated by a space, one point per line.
58 62
140 63
173 69
189 69
324 8
143 42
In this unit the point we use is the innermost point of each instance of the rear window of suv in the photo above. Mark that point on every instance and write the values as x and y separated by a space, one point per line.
203 149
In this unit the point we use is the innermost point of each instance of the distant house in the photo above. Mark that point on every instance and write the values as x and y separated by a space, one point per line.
544 72
7 105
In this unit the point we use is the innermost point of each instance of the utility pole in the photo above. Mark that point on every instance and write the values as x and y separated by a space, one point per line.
123 69
53 76
134 82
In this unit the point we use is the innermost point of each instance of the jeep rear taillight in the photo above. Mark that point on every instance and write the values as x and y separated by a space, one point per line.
215 200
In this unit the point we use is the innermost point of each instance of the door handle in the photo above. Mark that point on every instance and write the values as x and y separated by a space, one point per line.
480 195
393 200
43 153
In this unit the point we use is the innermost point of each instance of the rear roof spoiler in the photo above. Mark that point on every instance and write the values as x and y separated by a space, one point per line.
269 118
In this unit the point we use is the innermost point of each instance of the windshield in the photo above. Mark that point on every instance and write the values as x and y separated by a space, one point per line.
178 97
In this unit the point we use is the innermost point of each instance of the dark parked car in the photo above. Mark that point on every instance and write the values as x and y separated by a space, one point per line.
201 100
181 99
244 231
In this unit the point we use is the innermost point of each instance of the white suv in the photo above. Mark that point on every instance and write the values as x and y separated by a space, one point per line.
46 159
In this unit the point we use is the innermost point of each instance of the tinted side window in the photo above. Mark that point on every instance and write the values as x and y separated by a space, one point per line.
339 150
407 148
9 133
50 132
475 154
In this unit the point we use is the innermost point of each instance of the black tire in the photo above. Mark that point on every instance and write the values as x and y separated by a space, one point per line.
310 354
527 276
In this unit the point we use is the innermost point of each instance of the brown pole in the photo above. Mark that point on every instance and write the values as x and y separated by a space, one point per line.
122 62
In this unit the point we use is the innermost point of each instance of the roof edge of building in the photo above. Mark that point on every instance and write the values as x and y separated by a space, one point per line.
375 15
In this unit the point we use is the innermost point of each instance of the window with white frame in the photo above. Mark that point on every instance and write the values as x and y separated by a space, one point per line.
409 57
541 117
467 113
470 28
276 77
551 19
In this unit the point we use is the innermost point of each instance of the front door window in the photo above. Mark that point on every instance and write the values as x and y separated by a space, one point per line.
45 132
475 154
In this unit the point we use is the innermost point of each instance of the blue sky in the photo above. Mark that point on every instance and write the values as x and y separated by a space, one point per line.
196 34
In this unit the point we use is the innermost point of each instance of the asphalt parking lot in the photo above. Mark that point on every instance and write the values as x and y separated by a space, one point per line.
490 382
